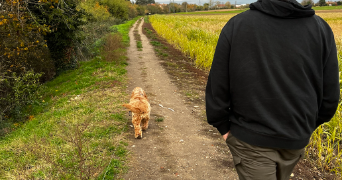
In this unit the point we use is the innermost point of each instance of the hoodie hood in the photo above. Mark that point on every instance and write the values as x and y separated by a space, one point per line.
283 8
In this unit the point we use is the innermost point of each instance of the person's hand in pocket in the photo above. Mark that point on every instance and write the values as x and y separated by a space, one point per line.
226 135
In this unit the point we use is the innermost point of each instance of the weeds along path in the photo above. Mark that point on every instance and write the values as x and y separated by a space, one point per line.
174 148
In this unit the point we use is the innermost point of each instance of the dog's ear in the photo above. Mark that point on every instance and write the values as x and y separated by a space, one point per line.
132 108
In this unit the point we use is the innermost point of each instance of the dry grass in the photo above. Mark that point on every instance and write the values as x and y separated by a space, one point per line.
80 137
113 48
325 147
76 129
197 36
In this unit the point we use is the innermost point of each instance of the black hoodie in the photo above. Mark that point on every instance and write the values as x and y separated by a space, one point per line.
274 77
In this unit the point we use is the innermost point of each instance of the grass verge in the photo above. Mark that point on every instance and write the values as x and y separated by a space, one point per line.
123 29
137 36
76 130
325 147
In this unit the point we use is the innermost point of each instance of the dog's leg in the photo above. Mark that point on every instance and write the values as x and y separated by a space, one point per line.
144 123
136 120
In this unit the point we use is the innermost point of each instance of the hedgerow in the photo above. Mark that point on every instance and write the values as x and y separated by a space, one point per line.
39 39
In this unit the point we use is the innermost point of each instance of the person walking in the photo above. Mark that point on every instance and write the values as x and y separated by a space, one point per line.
273 80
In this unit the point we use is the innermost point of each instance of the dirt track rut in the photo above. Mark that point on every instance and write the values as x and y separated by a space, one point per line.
176 148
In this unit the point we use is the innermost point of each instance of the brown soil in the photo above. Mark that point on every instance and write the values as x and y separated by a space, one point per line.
305 170
183 145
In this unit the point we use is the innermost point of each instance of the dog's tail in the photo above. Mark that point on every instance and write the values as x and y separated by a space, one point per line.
136 108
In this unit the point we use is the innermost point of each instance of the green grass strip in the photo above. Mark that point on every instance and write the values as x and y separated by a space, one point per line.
139 44
124 29
75 130
327 7
80 106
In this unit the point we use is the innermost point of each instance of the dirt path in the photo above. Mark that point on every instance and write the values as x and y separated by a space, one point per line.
176 147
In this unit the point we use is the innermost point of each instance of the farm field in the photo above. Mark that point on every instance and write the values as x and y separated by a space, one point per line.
196 36
327 7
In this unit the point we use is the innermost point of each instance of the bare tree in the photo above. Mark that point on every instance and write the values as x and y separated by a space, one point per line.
217 4
211 3
184 6
228 5
307 2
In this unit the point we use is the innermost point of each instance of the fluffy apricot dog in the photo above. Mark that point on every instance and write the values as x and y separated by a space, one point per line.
141 109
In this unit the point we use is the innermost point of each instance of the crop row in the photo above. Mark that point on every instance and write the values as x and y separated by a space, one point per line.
196 36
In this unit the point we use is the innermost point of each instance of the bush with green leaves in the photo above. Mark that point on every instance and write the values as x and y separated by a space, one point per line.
132 10
17 91
118 8
62 20
47 37
95 10
141 10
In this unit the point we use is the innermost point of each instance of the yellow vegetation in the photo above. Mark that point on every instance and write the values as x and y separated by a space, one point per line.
196 36
99 12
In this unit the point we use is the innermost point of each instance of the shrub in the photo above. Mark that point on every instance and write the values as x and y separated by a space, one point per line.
36 38
132 10
153 9
62 21
118 8
141 10
24 24
98 12
93 33
17 91
22 46
113 48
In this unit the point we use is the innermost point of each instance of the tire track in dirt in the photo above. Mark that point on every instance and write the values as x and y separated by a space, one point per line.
175 148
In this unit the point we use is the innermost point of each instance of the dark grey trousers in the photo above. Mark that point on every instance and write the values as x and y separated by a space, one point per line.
259 163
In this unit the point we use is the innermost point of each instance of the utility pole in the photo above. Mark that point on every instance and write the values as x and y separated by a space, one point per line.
174 10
